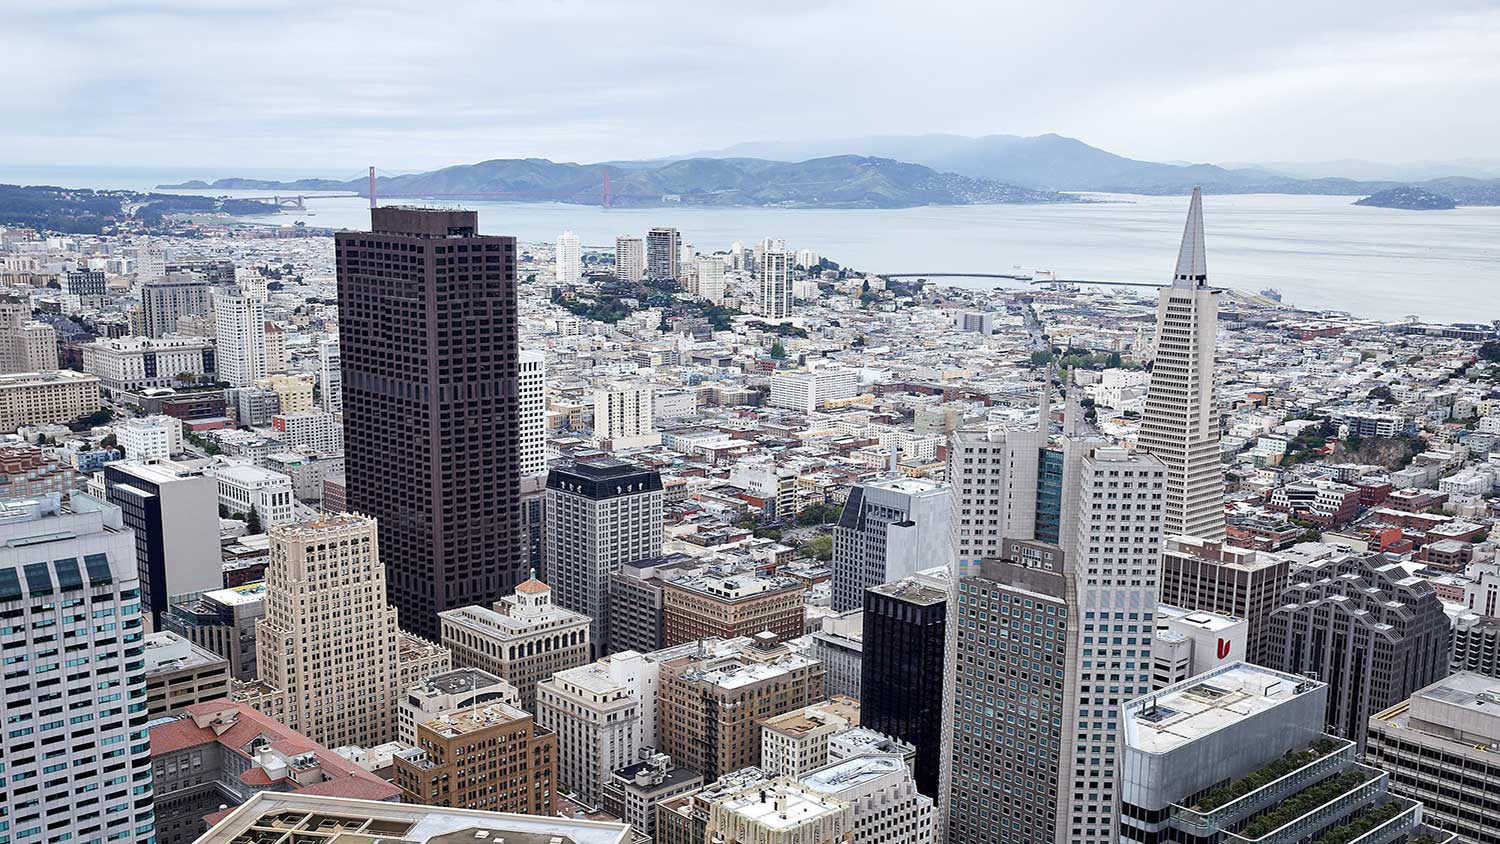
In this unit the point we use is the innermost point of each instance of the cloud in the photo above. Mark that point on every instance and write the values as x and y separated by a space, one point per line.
335 85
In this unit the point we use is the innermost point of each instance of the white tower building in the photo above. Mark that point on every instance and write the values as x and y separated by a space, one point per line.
775 286
240 325
533 368
569 258
711 279
1181 423
630 258
331 375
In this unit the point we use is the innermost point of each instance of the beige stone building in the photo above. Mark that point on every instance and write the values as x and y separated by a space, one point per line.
42 398
294 391
491 757
728 605
523 638
332 662
711 706
797 742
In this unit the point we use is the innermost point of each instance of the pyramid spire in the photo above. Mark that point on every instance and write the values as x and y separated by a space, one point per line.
1192 266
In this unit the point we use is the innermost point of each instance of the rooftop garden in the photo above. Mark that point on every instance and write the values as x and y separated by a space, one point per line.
1301 803
1226 794
1362 823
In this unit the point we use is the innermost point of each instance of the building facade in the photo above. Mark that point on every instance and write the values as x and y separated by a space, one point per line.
1206 575
630 258
431 406
888 530
905 631
599 516
523 638
171 509
730 604
663 254
77 757
490 757
240 330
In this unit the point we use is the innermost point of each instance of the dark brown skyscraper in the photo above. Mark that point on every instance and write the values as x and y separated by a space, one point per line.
427 337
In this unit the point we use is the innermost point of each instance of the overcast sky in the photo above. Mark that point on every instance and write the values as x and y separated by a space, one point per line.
332 85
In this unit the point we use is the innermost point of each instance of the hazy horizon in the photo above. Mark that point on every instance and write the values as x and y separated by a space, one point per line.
239 86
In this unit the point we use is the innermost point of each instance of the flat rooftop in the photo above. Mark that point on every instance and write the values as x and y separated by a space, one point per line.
461 680
268 816
1194 708
786 805
852 772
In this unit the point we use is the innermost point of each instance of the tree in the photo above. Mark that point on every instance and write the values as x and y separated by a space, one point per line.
819 548
252 521
1113 361
109 441
778 351
1490 350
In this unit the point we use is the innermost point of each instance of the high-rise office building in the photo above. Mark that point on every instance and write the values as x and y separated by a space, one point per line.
330 376
905 629
839 644
637 602
167 298
174 513
222 621
533 413
1207 575
1365 627
431 406
711 279
727 604
1239 754
329 652
889 529
775 286
600 515
569 258
76 751
1181 422
630 258
1061 606
663 254
796 742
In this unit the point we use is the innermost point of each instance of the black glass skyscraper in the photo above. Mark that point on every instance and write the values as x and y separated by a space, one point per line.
901 680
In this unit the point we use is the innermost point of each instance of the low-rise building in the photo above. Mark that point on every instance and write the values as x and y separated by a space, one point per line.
43 398
887 806
180 674
150 437
524 638
461 688
728 603
132 364
781 811
312 429
28 471
797 742
634 790
1439 748
272 818
222 621
490 757
244 488
221 754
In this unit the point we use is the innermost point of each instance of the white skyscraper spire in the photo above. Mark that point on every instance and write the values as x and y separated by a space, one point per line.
1192 266
1181 422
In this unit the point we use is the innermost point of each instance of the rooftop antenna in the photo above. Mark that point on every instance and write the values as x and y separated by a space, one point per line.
372 187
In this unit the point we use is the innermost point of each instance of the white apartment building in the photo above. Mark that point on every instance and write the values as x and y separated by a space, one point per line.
77 759
569 257
1119 388
797 742
130 364
810 390
244 487
623 416
460 688
331 375
150 437
888 809
533 413
240 328
711 279
630 258
314 429
775 285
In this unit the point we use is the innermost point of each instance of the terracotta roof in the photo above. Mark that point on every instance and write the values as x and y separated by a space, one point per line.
532 587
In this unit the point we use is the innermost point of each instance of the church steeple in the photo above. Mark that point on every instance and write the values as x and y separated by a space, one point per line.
1192 265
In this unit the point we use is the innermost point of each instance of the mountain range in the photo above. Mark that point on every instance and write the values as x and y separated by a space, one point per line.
1058 163
841 181
880 171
